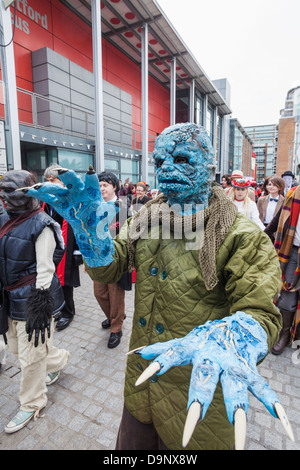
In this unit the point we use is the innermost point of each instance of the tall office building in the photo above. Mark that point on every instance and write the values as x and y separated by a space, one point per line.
288 153
240 150
264 140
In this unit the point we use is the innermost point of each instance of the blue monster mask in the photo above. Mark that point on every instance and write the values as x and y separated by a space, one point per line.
184 161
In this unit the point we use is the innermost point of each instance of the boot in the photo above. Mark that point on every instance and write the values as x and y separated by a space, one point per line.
284 335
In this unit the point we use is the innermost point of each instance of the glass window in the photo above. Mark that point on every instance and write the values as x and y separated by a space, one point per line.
77 161
36 160
219 142
198 110
39 160
52 156
210 123
182 106
129 166
111 164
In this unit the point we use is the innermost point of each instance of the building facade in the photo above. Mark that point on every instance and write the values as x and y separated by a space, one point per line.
147 80
241 150
264 140
288 151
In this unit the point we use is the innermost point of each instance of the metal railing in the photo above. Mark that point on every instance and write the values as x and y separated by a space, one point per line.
41 112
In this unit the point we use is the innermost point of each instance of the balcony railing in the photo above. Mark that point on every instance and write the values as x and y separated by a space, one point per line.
41 112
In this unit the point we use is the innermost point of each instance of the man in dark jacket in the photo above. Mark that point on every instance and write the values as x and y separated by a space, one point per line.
68 267
28 238
141 197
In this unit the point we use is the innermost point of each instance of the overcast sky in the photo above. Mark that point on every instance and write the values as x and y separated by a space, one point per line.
255 44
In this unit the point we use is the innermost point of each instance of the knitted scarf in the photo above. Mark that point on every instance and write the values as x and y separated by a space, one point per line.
217 219
284 239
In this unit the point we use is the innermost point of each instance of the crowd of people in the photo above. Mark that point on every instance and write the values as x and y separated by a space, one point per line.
40 252
275 211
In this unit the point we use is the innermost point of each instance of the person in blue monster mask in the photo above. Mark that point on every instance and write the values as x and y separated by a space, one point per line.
206 277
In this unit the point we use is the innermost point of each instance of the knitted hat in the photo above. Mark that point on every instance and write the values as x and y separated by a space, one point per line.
241 183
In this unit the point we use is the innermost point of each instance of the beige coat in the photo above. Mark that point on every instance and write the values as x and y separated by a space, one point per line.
262 205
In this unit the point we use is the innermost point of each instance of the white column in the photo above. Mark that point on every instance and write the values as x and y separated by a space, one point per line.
173 92
192 101
145 106
12 132
97 64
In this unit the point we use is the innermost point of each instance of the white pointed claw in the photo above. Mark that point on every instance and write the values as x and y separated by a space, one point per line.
192 419
284 420
151 370
26 188
240 425
135 351
63 169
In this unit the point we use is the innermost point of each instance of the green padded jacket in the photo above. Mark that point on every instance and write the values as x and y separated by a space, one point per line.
171 299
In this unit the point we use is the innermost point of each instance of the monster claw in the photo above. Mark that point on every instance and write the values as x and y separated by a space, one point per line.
61 171
151 370
284 420
26 189
240 424
135 351
193 416
91 170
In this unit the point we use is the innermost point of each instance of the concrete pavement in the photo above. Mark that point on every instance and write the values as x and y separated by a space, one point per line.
84 406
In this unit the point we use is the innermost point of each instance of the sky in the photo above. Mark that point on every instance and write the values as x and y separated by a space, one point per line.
255 44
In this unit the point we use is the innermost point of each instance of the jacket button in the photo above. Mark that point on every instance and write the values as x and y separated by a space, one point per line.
153 271
159 328
153 379
163 275
142 321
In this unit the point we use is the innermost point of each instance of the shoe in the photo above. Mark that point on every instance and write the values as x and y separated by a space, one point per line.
114 340
63 323
106 324
57 316
19 421
52 377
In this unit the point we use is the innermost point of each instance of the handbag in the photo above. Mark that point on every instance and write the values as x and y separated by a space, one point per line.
3 312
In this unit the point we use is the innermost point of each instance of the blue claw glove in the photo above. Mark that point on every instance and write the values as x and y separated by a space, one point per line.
228 349
82 206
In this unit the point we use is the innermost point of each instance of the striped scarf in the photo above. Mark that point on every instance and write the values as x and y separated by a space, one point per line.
284 239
